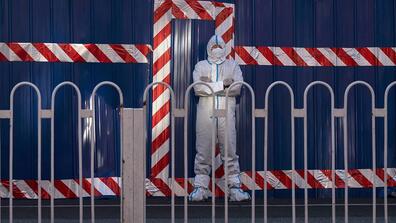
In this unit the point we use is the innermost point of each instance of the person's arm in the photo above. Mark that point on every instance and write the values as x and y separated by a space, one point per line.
202 90
237 76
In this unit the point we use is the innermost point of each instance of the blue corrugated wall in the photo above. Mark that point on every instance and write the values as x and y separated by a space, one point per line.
308 23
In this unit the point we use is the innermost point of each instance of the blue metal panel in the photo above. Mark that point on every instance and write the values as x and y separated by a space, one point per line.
310 23
70 22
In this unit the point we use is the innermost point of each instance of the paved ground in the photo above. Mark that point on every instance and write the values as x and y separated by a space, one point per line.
158 210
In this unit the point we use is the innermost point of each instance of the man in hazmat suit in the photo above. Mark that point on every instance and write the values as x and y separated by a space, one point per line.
219 73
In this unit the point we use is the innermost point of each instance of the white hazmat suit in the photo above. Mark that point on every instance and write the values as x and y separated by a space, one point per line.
219 73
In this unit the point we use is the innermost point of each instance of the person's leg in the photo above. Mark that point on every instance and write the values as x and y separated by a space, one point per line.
202 164
234 182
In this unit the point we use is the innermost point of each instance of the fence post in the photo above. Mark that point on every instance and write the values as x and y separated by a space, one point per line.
133 177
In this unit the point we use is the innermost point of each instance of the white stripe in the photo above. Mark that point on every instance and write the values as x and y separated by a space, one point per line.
224 26
178 189
46 185
58 52
331 56
84 53
8 53
368 174
110 53
102 187
298 180
74 186
162 22
160 101
163 73
306 57
33 52
248 181
186 9
162 48
282 56
160 152
274 181
321 178
209 7
136 53
165 122
382 57
357 57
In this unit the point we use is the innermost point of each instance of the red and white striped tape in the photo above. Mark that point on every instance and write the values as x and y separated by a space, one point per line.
73 53
164 12
69 188
281 179
296 56
276 180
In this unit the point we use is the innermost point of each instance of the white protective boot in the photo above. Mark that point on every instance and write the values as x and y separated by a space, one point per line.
235 191
201 191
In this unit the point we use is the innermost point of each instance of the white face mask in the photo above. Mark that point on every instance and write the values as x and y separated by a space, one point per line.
218 53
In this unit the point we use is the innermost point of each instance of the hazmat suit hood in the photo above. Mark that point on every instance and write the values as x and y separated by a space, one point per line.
218 55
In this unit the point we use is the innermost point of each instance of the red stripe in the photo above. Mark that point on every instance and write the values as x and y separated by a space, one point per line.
283 178
162 9
2 57
200 10
162 35
143 48
47 53
33 184
339 183
177 13
390 181
227 36
245 56
360 178
342 55
369 56
390 53
98 53
161 113
161 139
222 16
159 89
310 179
110 183
160 165
322 60
86 185
218 4
71 52
270 56
294 56
123 53
161 61
18 50
162 186
219 173
64 189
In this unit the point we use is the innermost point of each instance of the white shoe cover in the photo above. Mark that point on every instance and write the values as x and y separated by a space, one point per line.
237 194
199 194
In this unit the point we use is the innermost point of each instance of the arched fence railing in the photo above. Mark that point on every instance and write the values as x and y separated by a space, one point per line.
296 113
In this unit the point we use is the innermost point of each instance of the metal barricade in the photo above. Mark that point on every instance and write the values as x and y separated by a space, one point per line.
294 113
11 152
50 114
